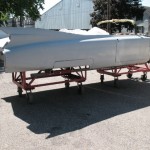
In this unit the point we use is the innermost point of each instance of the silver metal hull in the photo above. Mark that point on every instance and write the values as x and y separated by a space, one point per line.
94 51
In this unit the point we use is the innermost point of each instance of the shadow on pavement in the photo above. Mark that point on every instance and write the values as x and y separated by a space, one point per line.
62 111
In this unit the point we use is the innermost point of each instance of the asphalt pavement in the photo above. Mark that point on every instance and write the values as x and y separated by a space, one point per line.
102 118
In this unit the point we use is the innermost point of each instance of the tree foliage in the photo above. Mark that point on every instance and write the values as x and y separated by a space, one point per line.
21 8
117 9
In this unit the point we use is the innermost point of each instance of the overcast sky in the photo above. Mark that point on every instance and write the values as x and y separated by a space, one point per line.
48 4
51 3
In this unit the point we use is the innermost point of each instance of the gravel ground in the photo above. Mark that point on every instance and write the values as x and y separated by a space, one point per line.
103 118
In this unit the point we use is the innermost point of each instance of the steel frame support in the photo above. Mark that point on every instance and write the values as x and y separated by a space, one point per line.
25 82
117 71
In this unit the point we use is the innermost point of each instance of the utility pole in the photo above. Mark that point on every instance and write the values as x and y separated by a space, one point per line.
108 15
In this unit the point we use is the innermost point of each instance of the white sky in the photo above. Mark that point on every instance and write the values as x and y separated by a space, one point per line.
146 2
50 3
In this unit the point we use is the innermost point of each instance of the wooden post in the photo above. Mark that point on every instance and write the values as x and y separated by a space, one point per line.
108 16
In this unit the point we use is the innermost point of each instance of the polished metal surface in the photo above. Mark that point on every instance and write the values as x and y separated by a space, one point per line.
33 49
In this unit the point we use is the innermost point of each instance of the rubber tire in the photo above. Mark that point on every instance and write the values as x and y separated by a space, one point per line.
143 77
67 85
20 91
102 78
129 75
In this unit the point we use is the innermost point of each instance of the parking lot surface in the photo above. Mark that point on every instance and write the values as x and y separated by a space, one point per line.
102 118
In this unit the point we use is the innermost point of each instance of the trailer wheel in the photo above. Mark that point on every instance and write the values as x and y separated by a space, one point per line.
67 85
116 83
29 97
80 88
143 77
129 75
20 91
102 78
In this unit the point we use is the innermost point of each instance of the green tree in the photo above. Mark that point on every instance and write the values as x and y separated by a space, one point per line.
22 8
3 18
116 9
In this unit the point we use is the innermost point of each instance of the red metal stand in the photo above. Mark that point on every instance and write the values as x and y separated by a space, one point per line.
27 82
78 75
118 71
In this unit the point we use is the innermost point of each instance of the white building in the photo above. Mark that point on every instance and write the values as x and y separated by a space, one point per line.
75 14
70 14
144 25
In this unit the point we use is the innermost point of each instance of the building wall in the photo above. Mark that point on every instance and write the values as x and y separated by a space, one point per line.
146 20
70 14
75 14
145 23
